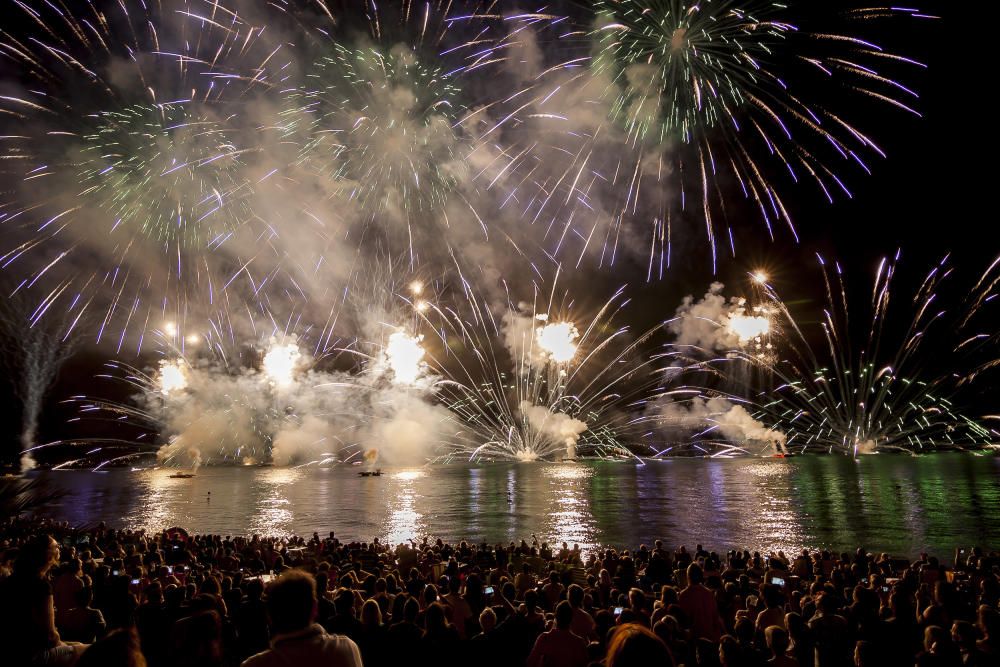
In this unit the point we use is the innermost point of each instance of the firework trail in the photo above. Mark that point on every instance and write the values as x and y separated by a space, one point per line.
388 125
671 107
880 391
36 348
125 167
546 378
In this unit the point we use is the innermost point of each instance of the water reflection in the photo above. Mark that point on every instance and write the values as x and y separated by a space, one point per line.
569 519
151 513
274 510
898 504
777 516
405 522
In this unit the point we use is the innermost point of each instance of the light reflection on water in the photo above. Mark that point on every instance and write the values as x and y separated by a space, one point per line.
405 522
570 520
894 503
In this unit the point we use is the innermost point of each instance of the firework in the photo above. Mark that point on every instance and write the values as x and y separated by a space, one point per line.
542 379
124 156
703 101
883 393
388 123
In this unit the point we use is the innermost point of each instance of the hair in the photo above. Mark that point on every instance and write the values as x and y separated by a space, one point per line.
371 614
434 617
343 601
777 639
867 653
637 598
633 645
119 648
695 575
291 601
564 615
33 558
487 617
729 651
411 610
575 594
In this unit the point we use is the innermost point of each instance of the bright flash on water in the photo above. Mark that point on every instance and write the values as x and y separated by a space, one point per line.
558 340
405 357
280 363
173 377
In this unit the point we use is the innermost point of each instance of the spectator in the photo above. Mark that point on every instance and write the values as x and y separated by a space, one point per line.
559 647
633 645
298 640
700 607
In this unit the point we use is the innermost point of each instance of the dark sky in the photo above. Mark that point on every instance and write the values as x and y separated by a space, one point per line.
933 194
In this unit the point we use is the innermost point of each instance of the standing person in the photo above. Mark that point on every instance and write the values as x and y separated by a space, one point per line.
559 647
27 610
298 639
698 602
830 631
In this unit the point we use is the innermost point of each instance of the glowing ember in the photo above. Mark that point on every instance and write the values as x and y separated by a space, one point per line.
557 339
405 357
280 363
173 377
749 327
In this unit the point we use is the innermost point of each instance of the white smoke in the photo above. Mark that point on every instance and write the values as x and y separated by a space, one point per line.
296 442
866 447
715 323
554 426
717 414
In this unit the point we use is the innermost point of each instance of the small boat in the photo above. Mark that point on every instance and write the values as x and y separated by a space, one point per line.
371 473
182 475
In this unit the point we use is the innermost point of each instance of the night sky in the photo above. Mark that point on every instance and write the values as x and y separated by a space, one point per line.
933 194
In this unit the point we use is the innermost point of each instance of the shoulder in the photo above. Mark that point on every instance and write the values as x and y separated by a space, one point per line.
340 644
262 659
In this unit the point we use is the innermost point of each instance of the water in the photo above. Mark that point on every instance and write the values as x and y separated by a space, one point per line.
904 505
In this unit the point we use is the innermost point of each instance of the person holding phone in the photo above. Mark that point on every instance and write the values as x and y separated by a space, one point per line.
774 611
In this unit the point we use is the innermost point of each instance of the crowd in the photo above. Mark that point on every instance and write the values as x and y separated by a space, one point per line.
110 597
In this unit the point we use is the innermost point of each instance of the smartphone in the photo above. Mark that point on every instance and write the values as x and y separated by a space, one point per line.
176 547
135 582
885 589
488 590
777 581
619 610
170 569
115 573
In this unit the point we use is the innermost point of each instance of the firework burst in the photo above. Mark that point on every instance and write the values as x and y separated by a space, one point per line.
122 153
883 393
703 100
